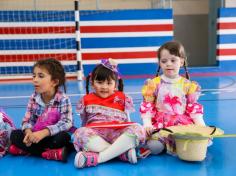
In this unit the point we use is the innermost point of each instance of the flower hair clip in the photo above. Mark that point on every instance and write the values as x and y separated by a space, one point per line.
111 65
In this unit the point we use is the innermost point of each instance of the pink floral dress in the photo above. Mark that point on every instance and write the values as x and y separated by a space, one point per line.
169 102
94 109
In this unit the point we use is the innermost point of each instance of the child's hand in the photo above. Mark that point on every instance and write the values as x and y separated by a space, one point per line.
39 135
149 130
27 137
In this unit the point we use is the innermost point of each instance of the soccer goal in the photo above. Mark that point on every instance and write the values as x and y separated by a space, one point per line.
32 32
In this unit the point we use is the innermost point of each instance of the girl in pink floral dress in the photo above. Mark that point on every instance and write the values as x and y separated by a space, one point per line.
106 130
169 99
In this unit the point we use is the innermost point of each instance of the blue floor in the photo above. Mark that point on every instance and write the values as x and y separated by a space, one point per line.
218 98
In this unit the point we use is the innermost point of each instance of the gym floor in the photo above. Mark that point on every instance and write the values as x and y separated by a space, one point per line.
218 98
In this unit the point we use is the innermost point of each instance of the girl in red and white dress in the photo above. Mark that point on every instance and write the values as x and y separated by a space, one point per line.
106 130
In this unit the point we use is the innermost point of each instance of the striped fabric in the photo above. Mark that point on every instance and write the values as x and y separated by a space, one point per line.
130 36
226 34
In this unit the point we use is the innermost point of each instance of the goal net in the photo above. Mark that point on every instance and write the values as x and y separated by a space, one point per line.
28 35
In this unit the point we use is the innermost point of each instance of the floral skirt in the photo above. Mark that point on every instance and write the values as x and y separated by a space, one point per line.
82 135
163 120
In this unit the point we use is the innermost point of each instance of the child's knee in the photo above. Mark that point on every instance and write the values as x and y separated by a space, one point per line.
16 135
155 146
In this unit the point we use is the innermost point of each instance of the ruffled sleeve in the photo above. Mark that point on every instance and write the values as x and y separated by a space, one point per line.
129 105
147 107
148 91
80 107
193 108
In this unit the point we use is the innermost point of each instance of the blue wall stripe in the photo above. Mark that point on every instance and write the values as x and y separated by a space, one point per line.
128 69
230 38
35 44
28 69
122 42
126 14
151 68
227 12
53 16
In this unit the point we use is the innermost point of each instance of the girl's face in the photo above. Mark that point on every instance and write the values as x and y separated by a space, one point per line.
170 64
42 82
105 88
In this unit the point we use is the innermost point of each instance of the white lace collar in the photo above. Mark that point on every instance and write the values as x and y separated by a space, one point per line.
170 80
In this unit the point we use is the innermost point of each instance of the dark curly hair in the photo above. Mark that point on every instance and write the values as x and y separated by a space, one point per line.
55 69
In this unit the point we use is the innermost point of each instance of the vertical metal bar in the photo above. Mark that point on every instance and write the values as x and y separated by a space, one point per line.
78 48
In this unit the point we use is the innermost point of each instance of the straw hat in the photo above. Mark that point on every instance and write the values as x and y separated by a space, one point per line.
191 140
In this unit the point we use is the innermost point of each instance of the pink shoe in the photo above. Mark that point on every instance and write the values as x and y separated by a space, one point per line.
129 156
85 159
16 151
1 149
55 154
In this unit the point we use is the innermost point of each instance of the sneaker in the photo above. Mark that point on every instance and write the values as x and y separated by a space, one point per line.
14 150
143 153
1 149
86 159
129 156
55 154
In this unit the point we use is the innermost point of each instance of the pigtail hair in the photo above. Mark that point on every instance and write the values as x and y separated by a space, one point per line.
120 85
158 70
87 84
186 70
64 86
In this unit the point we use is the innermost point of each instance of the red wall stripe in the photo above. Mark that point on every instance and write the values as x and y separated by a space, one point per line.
231 25
119 55
126 28
225 52
37 30
35 57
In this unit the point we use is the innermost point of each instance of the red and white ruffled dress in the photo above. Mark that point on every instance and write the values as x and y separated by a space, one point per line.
107 118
